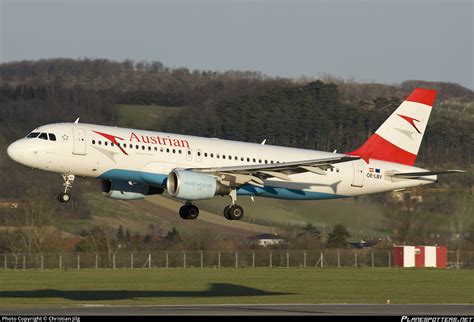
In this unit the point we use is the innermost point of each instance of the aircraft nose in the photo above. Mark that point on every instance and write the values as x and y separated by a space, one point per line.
14 151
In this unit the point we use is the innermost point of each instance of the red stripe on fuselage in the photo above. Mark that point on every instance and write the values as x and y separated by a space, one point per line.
112 138
378 148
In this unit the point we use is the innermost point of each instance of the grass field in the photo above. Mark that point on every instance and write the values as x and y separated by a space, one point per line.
144 116
231 286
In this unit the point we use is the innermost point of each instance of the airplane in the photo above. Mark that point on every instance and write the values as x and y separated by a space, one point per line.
133 163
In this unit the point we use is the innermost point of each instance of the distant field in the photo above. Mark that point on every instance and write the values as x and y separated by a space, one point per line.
364 218
144 116
231 286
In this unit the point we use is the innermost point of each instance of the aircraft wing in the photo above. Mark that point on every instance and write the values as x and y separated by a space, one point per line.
256 174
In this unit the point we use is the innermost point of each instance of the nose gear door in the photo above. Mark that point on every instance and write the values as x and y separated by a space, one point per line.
79 141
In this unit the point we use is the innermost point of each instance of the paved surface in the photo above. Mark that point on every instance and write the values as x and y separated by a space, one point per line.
249 309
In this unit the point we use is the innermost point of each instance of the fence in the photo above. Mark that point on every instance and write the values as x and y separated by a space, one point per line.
216 259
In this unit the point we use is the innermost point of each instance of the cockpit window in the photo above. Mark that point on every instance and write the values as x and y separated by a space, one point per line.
43 136
52 137
32 135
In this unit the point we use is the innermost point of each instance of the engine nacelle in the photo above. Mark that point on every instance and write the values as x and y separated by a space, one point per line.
124 190
188 185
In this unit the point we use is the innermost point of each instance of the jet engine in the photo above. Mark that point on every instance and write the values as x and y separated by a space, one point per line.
189 185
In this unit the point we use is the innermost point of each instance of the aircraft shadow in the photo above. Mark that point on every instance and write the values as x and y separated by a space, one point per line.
215 290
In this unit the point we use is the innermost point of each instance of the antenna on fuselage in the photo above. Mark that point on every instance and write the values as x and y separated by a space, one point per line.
77 120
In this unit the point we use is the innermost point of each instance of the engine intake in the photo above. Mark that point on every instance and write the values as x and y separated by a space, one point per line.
189 185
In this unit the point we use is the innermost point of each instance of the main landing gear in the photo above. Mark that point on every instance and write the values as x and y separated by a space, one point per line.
233 211
68 180
189 211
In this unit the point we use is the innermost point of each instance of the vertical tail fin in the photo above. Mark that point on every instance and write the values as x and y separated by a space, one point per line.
398 139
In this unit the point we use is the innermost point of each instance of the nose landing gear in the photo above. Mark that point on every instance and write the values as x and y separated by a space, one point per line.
68 180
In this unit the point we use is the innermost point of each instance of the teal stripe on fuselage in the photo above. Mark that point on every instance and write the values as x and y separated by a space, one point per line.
159 180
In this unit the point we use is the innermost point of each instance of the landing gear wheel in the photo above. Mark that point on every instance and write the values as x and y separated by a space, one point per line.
68 180
226 213
182 212
189 212
64 197
235 212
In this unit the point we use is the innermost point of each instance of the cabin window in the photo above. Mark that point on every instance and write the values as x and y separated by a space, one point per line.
248 159
179 151
236 158
161 149
149 148
212 155
174 150
205 154
199 154
259 160
106 143
217 156
189 152
223 156
93 141
266 161
254 160
137 147
100 142
167 150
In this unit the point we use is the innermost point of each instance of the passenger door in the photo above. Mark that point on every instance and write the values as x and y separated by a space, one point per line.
79 141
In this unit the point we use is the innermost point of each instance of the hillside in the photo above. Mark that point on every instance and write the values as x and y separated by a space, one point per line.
162 213
325 114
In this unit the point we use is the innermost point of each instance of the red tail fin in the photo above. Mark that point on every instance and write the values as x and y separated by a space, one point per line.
398 139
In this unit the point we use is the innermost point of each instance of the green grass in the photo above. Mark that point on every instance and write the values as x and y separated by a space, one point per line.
144 116
218 286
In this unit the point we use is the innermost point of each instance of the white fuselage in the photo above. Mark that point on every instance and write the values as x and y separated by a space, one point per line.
148 157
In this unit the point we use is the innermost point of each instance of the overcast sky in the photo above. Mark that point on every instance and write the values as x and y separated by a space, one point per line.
377 40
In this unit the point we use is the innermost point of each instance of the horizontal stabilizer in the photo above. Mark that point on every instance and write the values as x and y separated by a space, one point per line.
409 175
